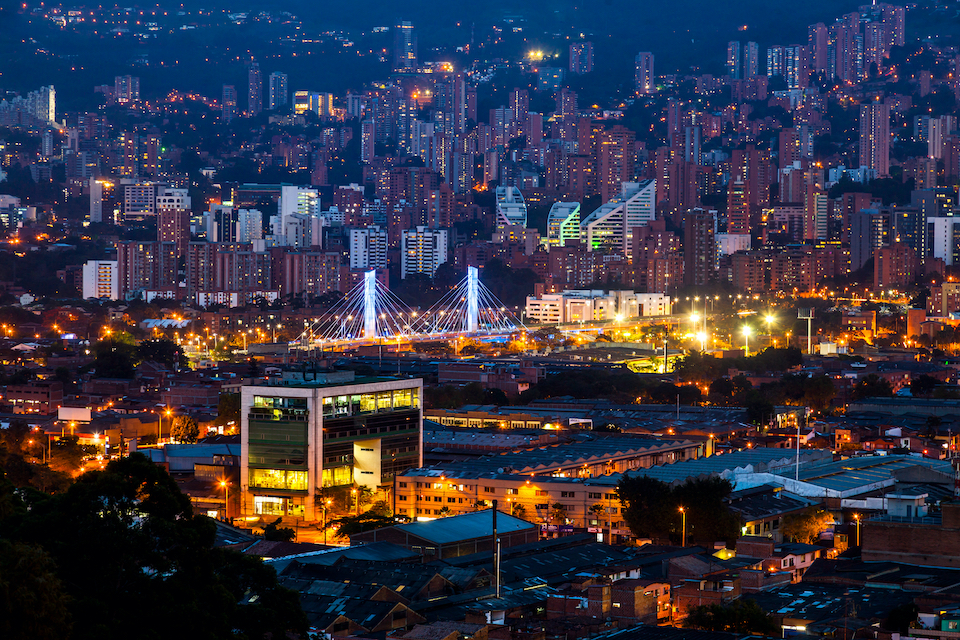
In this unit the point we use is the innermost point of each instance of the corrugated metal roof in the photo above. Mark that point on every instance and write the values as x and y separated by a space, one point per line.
464 527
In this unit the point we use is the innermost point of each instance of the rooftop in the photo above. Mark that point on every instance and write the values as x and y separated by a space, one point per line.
464 527
746 461
863 473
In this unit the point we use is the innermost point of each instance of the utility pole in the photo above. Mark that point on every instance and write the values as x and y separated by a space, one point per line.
496 552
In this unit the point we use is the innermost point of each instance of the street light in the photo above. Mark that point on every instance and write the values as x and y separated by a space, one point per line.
326 504
770 319
856 517
226 498
702 337
746 342
683 527
160 425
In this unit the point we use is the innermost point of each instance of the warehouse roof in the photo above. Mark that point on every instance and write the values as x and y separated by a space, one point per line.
467 526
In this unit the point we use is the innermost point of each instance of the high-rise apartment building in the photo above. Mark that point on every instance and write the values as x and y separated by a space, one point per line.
368 248
173 225
751 61
644 78
692 144
404 47
101 280
563 223
818 47
944 239
776 63
581 57
368 139
615 163
146 269
816 214
279 93
611 225
228 105
733 59
738 206
796 66
870 229
97 186
894 267
422 250
699 247
875 137
511 209
894 24
254 90
126 89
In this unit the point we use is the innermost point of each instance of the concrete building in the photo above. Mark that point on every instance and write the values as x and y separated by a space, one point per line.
228 105
528 483
279 93
699 246
563 223
303 432
944 237
610 227
875 137
101 279
511 209
43 397
368 248
931 540
422 250
644 78
590 305
254 90
894 267
581 57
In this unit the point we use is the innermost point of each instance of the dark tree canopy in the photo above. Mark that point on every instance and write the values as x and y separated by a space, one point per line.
129 554
162 351
651 509
871 386
115 359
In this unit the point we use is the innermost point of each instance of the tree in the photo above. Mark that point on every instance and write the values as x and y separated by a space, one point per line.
651 509
598 511
136 549
185 429
162 351
558 513
228 409
115 359
368 521
33 603
381 508
923 385
518 510
871 386
648 507
806 527
66 455
275 533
